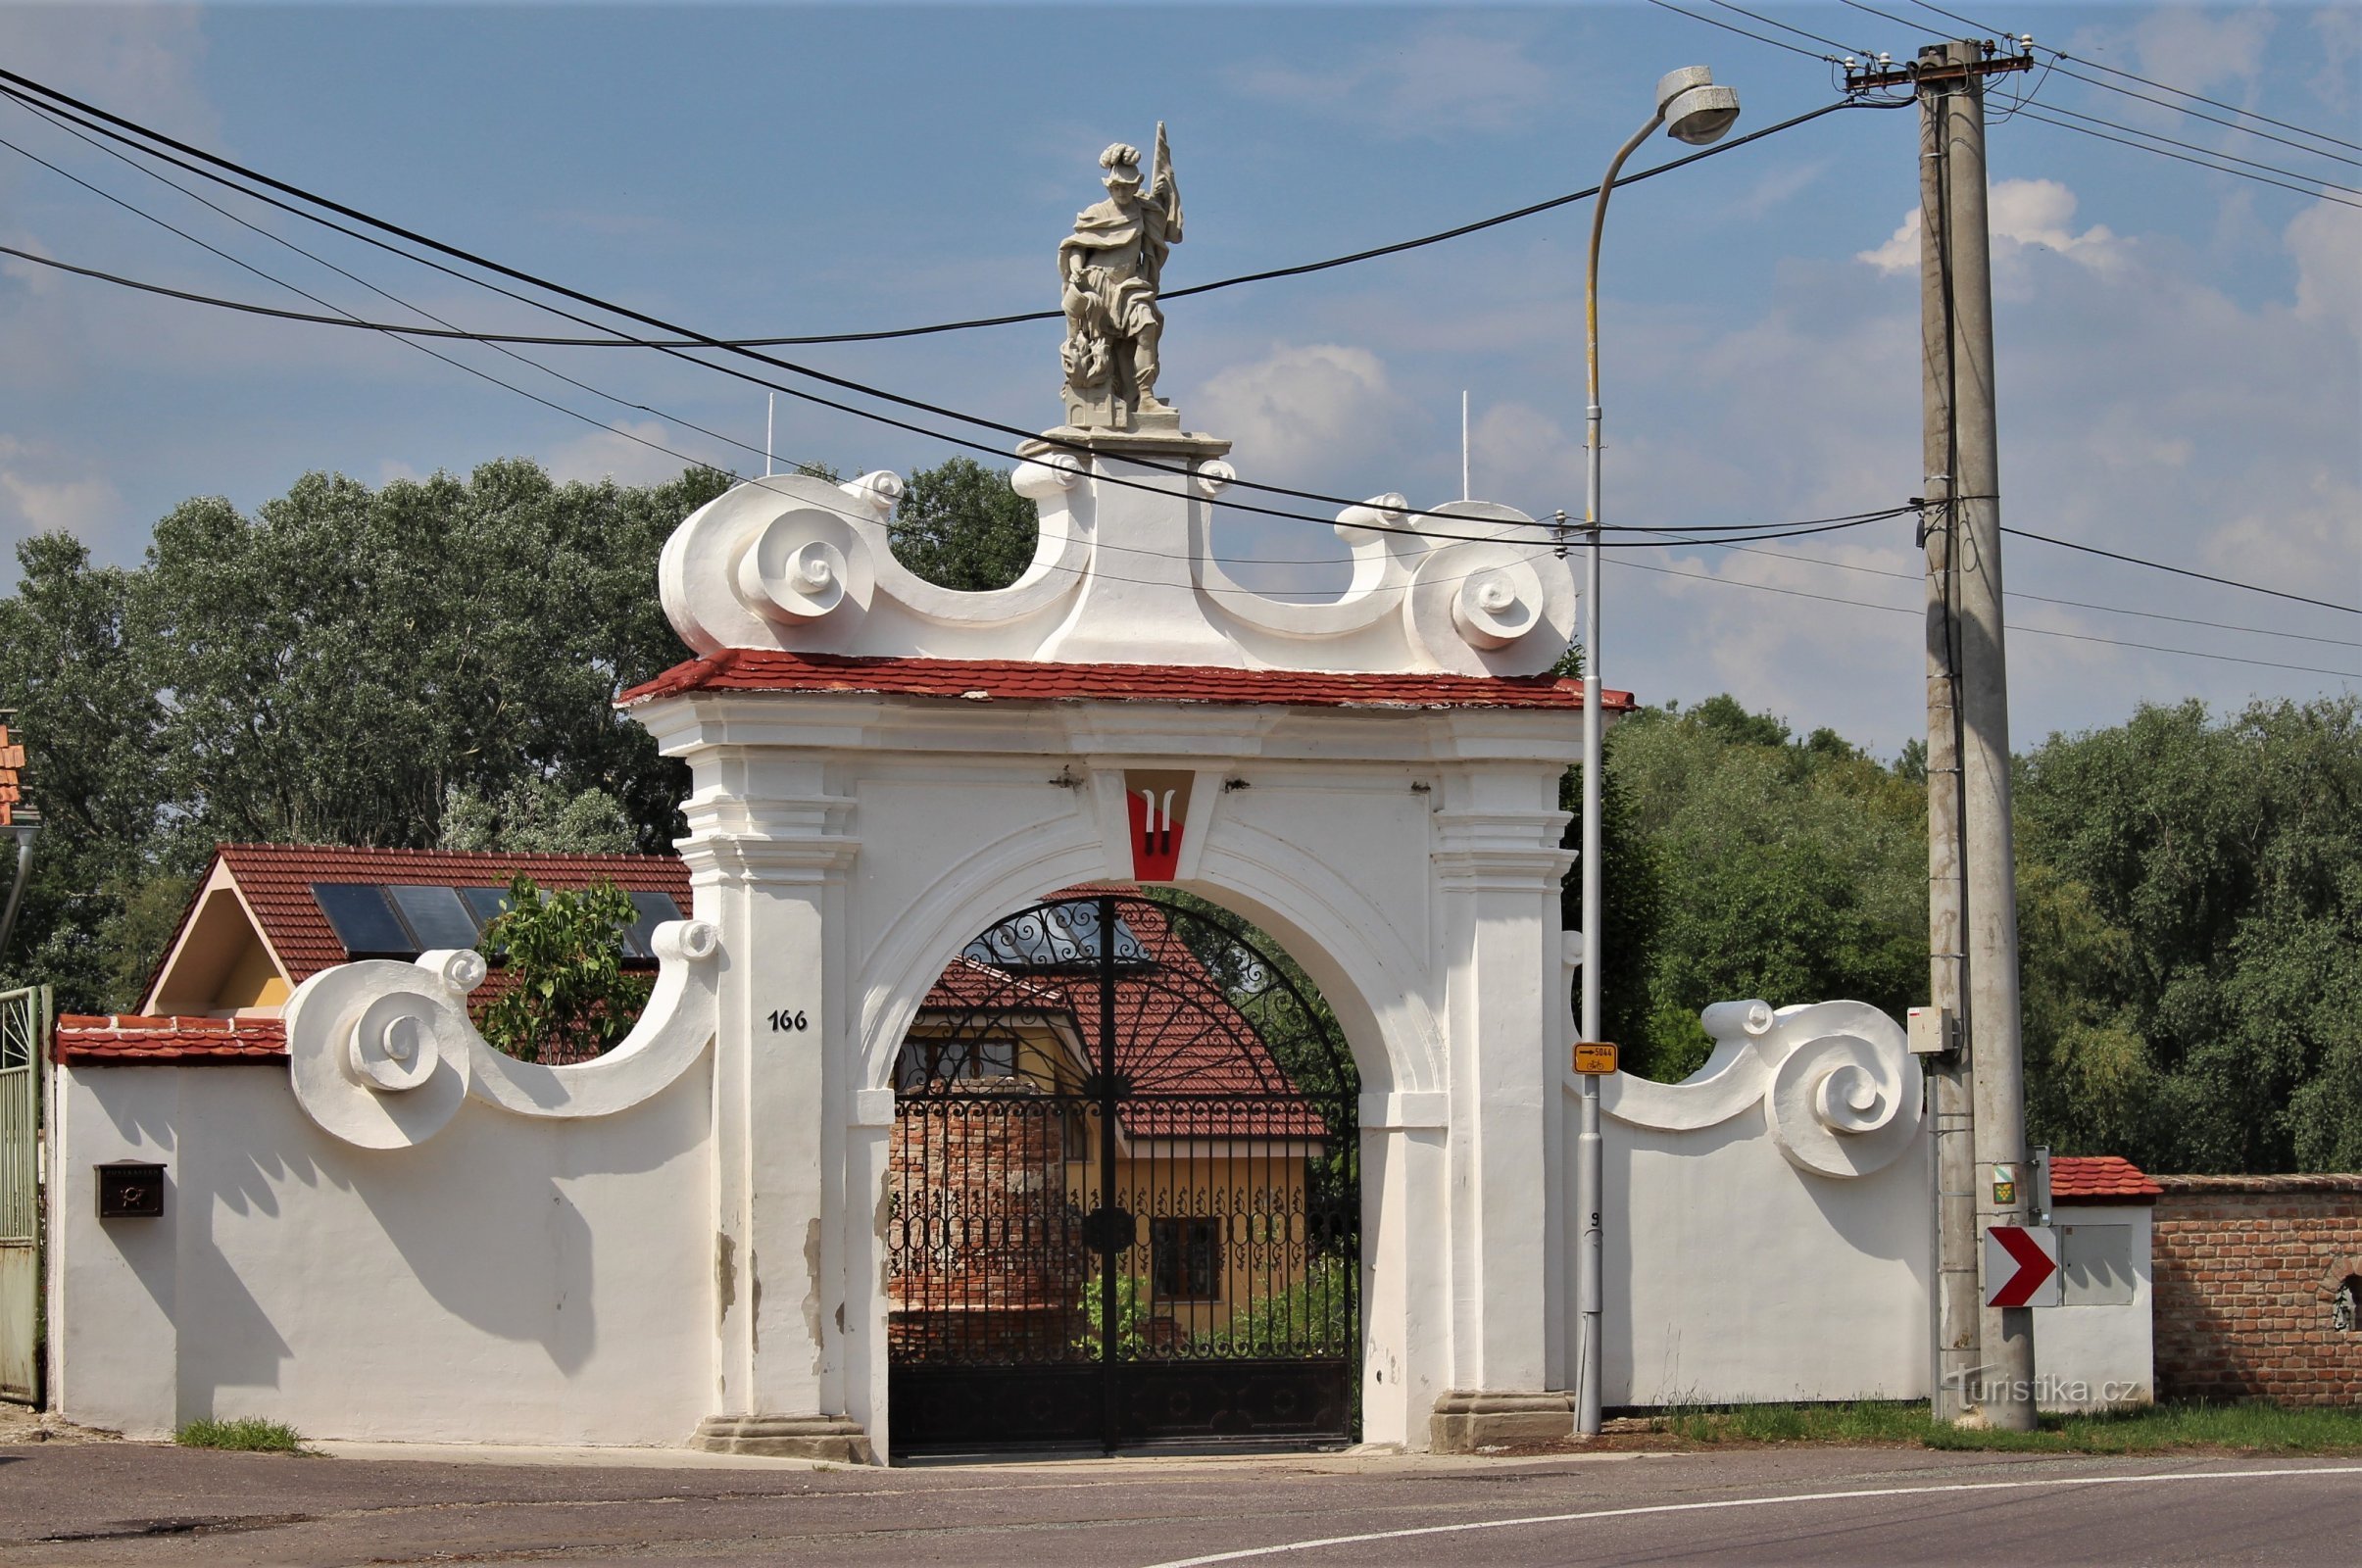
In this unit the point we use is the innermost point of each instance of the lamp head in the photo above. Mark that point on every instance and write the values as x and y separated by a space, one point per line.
1695 110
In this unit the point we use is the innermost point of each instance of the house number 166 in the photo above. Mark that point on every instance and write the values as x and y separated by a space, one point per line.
789 1021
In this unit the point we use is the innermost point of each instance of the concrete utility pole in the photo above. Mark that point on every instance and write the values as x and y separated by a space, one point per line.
1984 1357
1950 1080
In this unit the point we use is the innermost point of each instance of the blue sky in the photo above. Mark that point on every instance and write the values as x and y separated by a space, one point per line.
2181 351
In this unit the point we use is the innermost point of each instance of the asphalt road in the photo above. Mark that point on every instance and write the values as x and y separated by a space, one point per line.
135 1503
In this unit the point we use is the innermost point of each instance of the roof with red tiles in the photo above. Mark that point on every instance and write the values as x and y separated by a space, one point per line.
12 763
967 983
2099 1178
747 669
123 1039
1177 1034
277 881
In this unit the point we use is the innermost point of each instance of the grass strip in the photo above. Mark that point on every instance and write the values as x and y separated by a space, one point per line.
2238 1428
246 1435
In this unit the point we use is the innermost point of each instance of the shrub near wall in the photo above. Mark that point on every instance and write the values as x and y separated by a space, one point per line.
2246 1272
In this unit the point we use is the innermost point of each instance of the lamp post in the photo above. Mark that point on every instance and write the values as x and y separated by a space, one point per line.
1692 109
22 833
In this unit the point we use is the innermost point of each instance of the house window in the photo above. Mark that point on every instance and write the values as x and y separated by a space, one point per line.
1184 1258
926 1062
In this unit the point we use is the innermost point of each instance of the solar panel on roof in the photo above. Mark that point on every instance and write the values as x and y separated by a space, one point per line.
487 904
655 909
435 915
364 920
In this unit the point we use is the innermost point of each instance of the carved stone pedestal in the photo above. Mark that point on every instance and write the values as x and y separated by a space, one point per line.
786 1436
1468 1420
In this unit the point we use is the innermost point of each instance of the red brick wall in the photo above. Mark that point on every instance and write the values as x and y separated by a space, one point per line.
2246 1268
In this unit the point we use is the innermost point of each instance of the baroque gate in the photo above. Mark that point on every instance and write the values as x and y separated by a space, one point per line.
1123 1200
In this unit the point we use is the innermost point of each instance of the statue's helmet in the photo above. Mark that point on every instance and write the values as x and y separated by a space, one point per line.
1122 164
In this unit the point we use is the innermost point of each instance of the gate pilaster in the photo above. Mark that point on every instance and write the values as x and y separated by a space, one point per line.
767 857
1498 867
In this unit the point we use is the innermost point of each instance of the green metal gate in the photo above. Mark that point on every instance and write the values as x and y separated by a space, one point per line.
24 1025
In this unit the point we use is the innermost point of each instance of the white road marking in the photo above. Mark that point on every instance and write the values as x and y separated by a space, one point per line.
1251 1552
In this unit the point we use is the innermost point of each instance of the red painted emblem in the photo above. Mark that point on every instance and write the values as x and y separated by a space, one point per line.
1156 834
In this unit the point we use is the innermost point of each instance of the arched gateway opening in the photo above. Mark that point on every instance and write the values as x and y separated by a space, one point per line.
1123 1190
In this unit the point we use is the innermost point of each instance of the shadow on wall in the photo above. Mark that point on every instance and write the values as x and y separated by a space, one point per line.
486 1222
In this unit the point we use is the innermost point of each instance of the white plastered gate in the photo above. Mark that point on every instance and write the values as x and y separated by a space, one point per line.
683 1240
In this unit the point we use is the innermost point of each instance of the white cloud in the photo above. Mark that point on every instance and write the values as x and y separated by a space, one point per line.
2021 215
1777 187
40 492
137 59
2202 51
2336 45
1442 80
2326 242
1300 408
623 453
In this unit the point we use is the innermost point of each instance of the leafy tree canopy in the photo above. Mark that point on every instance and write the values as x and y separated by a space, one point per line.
564 996
1743 862
960 525
2191 911
342 667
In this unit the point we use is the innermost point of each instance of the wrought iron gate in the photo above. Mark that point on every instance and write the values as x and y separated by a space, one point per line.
1124 1197
24 1024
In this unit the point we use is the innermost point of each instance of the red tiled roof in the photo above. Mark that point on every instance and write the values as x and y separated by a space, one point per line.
1177 1032
131 1038
967 984
278 878
2084 1178
747 669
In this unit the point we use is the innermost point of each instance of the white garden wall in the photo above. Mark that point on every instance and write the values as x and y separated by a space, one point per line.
521 1281
1768 1220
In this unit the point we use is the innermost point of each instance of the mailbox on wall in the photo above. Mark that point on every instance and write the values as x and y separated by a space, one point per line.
130 1190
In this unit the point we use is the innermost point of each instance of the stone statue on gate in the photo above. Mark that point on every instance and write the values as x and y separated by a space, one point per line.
1109 272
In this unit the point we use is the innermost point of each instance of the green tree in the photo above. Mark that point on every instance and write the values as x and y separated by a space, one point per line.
86 713
535 817
960 525
566 996
1763 867
340 666
2202 1010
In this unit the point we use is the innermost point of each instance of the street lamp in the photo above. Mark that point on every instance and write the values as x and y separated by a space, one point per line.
1694 110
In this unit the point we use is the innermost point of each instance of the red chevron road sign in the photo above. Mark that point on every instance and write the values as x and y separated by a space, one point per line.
2021 1266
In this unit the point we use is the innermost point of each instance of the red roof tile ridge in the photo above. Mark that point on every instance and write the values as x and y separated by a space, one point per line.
244 846
2099 1176
1051 681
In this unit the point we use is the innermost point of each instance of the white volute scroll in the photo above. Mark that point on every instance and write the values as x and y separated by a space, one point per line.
1840 1089
382 1053
1123 571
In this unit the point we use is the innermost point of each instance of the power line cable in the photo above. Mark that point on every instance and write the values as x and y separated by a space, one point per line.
1764 531
2185 92
718 345
2042 118
2034 631
625 340
1729 26
2183 108
2178 571
2217 103
2040 599
1774 21
2153 135
354 321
